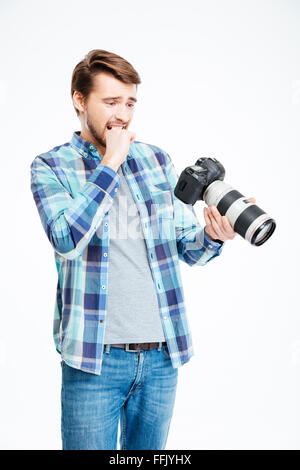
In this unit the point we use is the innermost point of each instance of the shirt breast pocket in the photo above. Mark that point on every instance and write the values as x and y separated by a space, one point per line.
162 200
163 212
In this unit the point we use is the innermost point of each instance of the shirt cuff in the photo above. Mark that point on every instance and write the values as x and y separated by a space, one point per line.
214 244
105 178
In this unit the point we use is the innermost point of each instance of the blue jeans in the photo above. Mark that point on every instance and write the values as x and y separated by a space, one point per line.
136 387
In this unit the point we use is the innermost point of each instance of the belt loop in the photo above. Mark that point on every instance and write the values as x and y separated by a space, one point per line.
107 348
160 345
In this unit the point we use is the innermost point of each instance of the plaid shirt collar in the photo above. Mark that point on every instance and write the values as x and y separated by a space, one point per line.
84 147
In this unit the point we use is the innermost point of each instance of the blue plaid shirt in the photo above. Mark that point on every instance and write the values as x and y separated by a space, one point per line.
73 193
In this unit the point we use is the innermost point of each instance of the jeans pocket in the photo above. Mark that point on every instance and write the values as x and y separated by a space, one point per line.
165 351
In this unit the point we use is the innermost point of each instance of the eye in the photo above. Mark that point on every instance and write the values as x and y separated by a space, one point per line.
111 103
131 105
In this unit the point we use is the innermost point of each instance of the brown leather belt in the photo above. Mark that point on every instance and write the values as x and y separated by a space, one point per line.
138 346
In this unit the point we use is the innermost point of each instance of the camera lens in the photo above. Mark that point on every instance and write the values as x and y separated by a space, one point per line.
246 218
263 233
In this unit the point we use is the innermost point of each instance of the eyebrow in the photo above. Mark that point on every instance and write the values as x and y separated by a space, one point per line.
118 97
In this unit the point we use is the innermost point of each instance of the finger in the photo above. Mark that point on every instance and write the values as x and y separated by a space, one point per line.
207 218
216 223
223 222
228 227
215 213
216 218
208 223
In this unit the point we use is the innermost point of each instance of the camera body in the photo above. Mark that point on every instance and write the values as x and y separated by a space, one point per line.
195 179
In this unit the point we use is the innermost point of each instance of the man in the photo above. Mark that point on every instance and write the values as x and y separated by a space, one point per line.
120 323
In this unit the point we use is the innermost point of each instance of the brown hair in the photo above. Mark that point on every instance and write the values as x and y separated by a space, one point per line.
97 61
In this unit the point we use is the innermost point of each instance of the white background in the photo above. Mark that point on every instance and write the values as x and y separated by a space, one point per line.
219 78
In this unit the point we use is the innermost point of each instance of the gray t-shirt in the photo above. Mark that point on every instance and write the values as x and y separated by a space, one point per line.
132 306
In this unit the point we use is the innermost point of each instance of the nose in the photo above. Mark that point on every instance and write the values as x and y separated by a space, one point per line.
122 113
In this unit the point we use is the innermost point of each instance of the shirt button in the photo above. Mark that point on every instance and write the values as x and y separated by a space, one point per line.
101 321
165 317
116 190
105 254
91 147
103 287
106 224
209 246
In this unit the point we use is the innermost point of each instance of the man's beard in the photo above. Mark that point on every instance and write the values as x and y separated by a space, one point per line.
94 133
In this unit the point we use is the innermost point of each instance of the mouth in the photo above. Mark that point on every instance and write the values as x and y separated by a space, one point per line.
109 126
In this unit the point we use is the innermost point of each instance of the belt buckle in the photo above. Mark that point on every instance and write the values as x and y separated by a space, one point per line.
132 350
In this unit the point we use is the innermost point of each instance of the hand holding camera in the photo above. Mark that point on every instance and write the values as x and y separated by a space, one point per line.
218 227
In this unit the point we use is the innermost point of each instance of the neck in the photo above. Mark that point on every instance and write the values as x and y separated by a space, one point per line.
84 134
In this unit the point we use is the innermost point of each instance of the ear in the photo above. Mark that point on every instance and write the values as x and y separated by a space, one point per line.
78 101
